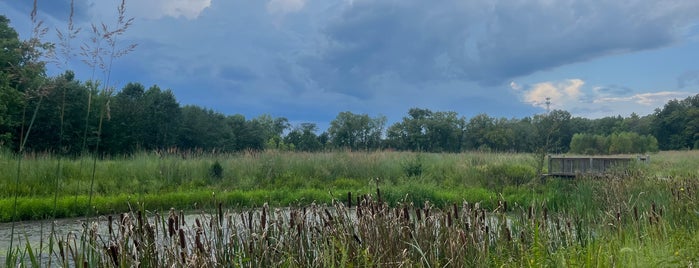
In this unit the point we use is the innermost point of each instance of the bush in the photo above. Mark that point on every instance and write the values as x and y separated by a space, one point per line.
216 171
498 176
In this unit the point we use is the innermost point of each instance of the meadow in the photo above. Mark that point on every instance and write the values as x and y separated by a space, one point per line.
406 209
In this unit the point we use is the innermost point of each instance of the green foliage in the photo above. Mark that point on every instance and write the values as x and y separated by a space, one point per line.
498 176
616 143
413 167
356 132
216 171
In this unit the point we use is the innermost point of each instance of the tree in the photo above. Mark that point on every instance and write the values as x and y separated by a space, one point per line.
676 125
127 121
272 130
60 114
356 131
303 138
162 117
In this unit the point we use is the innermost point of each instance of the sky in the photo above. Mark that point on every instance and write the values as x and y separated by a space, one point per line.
308 60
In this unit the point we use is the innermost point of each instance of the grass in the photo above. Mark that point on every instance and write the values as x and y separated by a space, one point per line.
475 209
282 176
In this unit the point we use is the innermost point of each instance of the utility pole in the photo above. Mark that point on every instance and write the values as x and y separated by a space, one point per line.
548 105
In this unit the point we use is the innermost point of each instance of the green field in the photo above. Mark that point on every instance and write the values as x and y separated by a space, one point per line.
645 216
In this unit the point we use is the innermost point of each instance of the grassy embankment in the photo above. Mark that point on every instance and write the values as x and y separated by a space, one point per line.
283 179
248 180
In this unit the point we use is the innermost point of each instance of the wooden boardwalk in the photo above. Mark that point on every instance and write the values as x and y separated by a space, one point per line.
573 166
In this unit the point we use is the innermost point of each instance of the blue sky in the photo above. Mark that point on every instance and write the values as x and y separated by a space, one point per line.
308 60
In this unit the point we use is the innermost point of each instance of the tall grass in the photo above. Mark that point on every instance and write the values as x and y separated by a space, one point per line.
283 176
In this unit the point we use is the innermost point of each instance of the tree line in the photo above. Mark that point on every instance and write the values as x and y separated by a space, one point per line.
63 115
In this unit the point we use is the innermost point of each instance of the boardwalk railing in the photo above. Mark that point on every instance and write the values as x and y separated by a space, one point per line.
571 166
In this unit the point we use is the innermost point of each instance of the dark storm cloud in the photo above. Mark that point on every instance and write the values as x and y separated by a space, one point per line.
488 42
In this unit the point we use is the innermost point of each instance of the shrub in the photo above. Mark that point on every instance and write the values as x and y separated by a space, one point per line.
216 171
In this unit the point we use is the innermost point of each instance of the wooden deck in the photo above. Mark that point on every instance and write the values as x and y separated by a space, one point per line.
573 166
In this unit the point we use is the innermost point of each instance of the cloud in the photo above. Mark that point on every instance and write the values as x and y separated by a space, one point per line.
485 41
593 101
556 94
653 99
285 6
152 9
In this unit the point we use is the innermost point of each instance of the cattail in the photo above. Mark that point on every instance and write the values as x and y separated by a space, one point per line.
109 222
531 211
220 214
448 218
182 218
456 212
292 215
140 219
197 242
505 206
250 220
263 218
183 245
176 220
508 235
418 214
635 213
114 252
546 211
349 199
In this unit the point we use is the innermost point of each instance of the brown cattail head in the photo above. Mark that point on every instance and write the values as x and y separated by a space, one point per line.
220 214
263 218
114 253
456 211
183 245
198 243
109 222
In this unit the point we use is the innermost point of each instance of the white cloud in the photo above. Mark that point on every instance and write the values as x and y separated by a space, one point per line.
285 6
654 99
594 101
560 94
